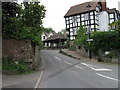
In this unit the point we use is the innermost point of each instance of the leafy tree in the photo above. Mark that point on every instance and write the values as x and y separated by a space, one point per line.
115 24
32 14
81 37
9 12
23 21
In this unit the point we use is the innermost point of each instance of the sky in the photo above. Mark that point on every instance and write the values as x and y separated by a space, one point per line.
56 9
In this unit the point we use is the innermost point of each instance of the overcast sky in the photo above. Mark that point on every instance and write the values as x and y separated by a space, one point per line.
56 9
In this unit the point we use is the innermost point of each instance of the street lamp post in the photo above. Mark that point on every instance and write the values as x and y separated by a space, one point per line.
88 29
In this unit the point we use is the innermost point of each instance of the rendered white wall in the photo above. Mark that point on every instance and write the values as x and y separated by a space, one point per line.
103 21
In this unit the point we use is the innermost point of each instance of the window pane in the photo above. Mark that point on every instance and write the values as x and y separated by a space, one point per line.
111 16
91 17
91 13
92 21
111 20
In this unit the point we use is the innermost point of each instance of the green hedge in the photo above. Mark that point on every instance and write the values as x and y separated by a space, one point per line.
105 41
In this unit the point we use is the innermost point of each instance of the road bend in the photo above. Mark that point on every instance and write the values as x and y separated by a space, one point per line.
61 71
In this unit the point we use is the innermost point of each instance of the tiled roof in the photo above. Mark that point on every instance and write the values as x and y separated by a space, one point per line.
113 10
81 8
55 37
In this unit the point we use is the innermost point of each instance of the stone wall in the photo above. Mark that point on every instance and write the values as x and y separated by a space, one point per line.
21 50
82 52
18 49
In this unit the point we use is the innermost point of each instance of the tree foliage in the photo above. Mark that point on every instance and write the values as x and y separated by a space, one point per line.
9 12
109 40
23 21
81 37
115 24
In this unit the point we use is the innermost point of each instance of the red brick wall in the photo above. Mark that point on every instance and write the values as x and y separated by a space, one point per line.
18 49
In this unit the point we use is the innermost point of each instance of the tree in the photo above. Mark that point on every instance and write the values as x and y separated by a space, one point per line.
32 14
115 24
23 21
81 37
9 12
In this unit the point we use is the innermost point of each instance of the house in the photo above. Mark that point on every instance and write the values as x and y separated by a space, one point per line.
46 35
94 14
53 40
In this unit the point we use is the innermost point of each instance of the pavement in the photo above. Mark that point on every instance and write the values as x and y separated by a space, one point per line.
61 71
20 81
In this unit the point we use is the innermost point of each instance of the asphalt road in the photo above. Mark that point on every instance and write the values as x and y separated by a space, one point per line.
61 71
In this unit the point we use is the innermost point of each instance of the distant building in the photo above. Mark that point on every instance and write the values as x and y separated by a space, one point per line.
53 40
97 16
45 36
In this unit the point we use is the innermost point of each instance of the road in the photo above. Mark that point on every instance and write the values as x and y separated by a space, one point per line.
61 71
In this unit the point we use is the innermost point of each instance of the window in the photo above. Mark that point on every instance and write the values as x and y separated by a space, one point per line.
70 20
78 16
71 29
82 18
96 17
82 15
71 33
111 16
86 22
67 22
82 23
92 21
91 13
91 17
111 20
86 16
43 37
67 26
96 21
78 23
71 38
92 26
66 18
70 25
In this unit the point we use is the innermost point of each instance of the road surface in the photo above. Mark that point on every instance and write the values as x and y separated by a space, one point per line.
61 71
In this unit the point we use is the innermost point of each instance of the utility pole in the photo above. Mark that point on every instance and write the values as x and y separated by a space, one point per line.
88 29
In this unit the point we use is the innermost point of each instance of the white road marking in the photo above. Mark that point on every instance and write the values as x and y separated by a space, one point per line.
38 81
108 77
78 67
72 64
96 68
68 63
58 58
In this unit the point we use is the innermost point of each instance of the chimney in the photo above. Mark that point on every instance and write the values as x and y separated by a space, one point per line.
104 6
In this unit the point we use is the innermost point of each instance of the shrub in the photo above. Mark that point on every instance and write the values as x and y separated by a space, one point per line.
105 41
10 65
72 48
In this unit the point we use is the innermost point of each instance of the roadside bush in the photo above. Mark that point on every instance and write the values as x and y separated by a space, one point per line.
106 41
72 48
66 45
10 65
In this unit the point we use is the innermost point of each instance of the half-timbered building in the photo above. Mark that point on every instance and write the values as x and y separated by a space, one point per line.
94 14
